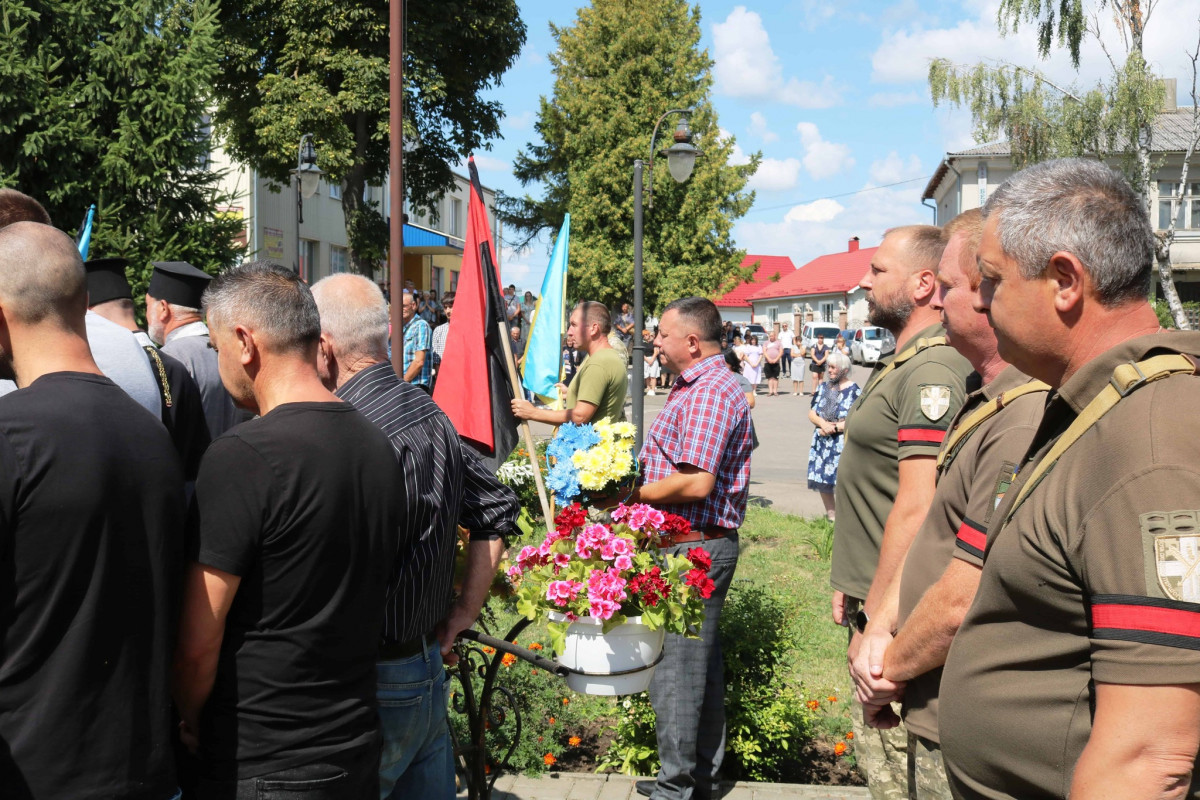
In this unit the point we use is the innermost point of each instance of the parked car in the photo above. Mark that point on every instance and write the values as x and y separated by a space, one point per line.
754 329
810 331
870 344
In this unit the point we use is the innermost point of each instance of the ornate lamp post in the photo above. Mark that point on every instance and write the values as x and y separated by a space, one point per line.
308 178
681 158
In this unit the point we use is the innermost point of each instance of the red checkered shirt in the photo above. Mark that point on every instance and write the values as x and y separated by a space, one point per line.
705 423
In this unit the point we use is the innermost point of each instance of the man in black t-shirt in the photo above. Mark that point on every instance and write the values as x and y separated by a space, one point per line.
294 522
91 507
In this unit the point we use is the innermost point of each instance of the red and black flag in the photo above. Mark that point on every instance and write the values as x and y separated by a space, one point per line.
473 385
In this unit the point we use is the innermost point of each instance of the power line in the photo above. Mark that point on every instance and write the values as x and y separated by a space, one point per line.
843 194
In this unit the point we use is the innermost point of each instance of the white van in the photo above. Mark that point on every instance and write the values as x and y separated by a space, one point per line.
810 331
870 344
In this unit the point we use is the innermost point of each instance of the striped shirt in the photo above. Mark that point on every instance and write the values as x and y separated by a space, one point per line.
705 423
445 485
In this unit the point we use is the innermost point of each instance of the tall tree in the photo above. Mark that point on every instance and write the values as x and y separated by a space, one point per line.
618 68
104 102
291 67
1042 119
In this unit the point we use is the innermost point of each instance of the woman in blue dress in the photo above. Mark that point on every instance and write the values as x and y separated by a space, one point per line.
830 404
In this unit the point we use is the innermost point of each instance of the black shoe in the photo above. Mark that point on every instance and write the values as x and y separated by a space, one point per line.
645 788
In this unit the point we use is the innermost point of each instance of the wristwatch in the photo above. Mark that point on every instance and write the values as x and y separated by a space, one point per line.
860 620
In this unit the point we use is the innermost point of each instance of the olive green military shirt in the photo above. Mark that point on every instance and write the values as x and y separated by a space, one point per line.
601 381
903 415
970 485
1094 579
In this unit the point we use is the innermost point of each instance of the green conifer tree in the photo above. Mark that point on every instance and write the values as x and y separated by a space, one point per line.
104 102
618 68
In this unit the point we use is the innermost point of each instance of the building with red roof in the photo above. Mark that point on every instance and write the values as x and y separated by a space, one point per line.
735 304
823 290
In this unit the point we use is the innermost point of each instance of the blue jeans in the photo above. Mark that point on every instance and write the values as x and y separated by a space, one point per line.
418 757
688 691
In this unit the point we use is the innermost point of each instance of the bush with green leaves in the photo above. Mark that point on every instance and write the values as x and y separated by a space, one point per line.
767 719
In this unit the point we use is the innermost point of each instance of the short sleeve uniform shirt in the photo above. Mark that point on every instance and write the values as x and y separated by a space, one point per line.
1093 579
969 487
601 381
300 504
904 414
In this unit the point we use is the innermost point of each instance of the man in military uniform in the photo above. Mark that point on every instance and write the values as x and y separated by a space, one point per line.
109 296
886 476
1077 669
174 321
929 599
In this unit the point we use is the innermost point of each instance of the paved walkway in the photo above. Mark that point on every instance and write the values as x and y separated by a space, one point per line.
588 786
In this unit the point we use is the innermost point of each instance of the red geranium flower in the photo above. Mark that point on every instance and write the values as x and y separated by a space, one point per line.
700 558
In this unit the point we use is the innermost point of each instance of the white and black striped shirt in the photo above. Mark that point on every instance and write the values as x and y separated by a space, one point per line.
445 485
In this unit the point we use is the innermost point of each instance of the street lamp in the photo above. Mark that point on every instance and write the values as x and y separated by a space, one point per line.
681 158
308 178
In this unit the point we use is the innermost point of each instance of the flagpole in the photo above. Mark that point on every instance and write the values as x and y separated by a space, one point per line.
526 430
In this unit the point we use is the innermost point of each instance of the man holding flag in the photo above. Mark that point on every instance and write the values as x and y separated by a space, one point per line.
598 389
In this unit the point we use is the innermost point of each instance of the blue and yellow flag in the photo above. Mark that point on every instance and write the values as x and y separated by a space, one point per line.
543 351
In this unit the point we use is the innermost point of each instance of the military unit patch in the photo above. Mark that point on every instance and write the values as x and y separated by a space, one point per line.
935 401
1171 543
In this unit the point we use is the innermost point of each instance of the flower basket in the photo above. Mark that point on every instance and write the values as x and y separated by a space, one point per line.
612 593
619 662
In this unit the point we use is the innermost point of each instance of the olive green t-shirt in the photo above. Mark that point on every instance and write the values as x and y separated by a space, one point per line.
903 415
1092 581
601 381
968 490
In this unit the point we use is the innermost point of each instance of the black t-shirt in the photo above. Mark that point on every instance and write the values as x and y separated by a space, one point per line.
91 550
299 504
819 351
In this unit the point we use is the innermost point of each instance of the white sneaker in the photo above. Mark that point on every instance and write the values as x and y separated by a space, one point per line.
650 392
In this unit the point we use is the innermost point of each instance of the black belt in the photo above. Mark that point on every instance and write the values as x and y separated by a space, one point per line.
394 651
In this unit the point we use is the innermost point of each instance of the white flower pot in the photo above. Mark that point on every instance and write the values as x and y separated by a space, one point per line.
629 646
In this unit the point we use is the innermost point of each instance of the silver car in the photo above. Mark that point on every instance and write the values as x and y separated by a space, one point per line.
870 344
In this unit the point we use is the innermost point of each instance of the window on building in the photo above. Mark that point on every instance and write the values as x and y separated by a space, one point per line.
436 279
827 312
335 191
308 259
1186 208
455 217
772 314
454 280
339 259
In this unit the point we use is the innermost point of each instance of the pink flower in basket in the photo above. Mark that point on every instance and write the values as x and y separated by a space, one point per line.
562 592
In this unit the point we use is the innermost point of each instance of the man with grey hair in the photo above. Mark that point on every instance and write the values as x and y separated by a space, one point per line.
418 366
1077 668
295 521
444 486
173 321
91 506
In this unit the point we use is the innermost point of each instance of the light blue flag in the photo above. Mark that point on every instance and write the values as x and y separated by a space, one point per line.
85 235
543 351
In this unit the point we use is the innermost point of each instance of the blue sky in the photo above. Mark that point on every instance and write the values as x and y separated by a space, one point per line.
833 93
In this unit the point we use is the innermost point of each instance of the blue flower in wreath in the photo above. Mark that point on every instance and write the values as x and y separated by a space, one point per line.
563 480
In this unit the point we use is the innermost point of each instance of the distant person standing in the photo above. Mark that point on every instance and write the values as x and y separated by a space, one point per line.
528 306
752 358
819 354
830 405
772 354
785 340
418 366
91 510
653 368
173 320
624 327
438 339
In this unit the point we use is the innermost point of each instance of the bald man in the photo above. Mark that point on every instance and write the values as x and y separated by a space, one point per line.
89 527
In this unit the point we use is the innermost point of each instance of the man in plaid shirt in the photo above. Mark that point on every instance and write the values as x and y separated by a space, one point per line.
696 463
418 365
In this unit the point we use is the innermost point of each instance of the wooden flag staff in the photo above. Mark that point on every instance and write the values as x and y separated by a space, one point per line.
527 431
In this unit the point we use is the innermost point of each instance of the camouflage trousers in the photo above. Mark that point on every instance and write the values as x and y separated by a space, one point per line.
882 756
926 772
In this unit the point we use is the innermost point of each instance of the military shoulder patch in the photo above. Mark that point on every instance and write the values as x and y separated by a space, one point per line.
1171 547
935 401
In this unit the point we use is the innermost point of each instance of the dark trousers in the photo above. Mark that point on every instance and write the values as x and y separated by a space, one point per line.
344 776
786 361
688 692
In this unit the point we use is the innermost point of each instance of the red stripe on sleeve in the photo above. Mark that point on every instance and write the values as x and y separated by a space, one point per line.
910 435
1172 621
972 536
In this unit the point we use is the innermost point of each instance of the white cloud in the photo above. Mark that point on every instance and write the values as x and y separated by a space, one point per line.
525 269
893 168
486 163
825 226
520 121
822 159
758 127
746 66
775 175
894 99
